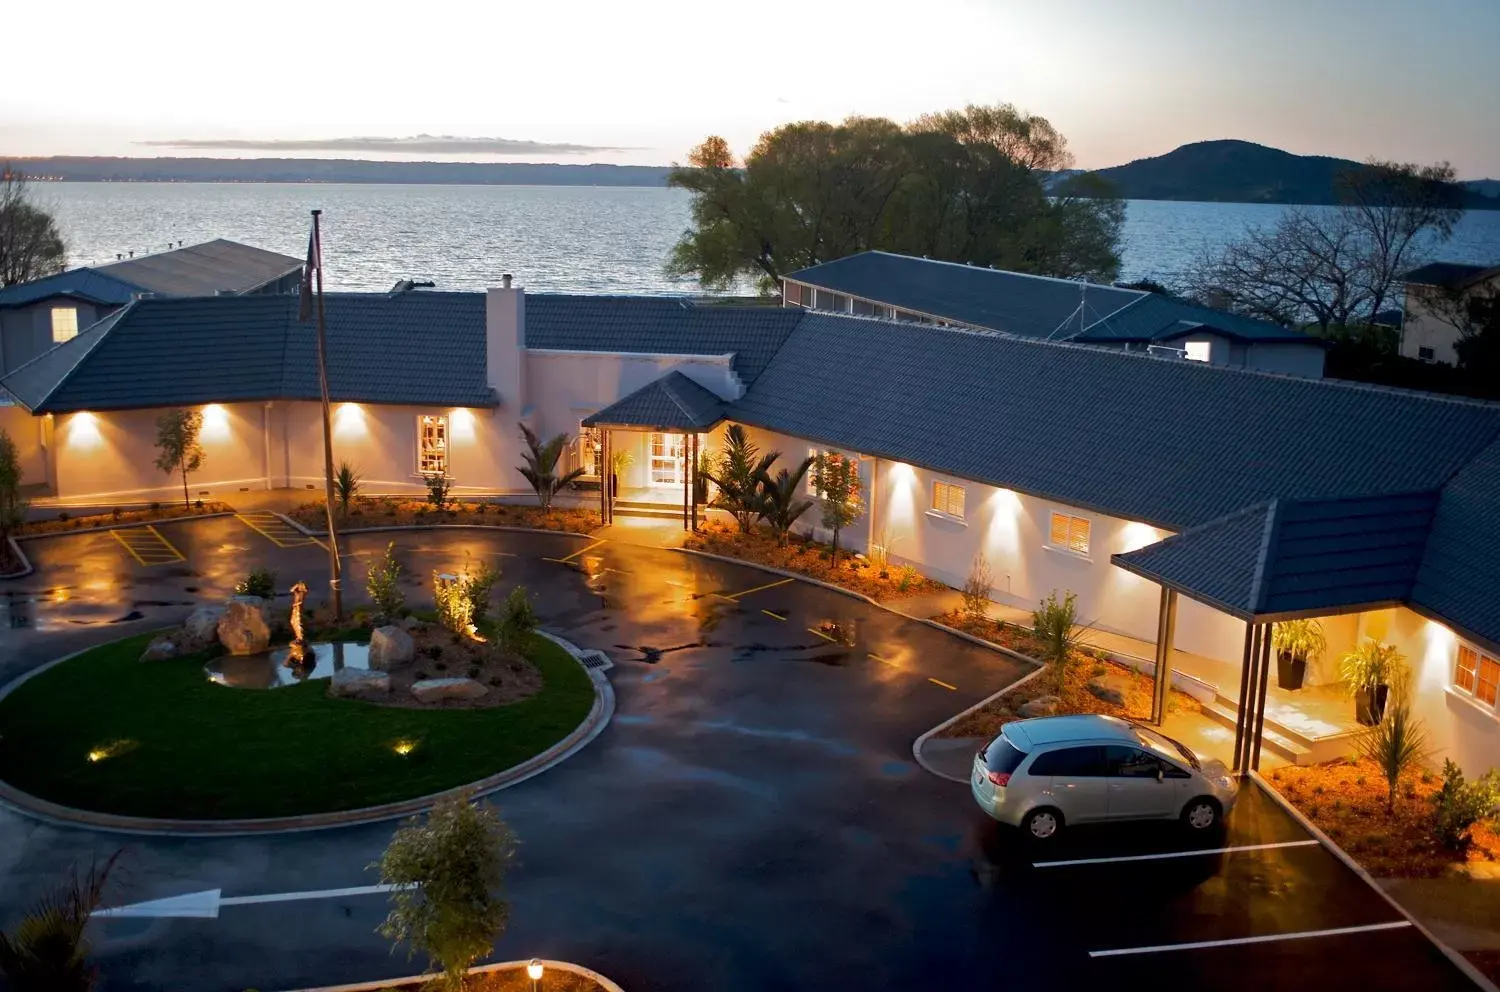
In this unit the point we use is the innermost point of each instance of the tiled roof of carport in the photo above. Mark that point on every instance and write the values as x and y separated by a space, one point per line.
672 403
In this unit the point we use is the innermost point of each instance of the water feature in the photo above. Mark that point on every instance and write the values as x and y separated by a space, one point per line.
281 667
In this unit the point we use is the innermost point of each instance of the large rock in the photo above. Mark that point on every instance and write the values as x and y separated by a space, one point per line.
163 647
1110 688
437 690
201 628
1040 706
350 682
390 646
245 627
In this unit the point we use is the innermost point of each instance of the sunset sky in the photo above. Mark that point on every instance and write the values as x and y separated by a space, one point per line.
642 82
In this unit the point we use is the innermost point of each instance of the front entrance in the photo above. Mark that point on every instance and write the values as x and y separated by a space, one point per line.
667 459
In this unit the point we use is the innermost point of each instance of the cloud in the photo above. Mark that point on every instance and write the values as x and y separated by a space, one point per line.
427 144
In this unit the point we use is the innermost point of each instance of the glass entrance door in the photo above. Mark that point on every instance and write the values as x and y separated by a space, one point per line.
667 458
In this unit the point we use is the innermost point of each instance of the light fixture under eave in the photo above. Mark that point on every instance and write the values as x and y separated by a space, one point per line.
83 431
461 424
215 423
349 421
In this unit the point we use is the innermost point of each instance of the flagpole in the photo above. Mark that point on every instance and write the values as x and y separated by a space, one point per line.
334 570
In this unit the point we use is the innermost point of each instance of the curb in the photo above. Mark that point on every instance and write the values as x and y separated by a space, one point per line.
916 747
309 532
576 969
1462 963
133 525
26 566
55 814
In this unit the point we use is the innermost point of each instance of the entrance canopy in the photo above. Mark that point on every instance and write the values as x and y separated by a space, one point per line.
672 403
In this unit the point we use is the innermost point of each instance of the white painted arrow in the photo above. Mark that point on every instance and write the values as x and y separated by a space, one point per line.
205 905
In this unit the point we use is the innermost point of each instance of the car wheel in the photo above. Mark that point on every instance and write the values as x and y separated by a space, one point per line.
1042 824
1201 814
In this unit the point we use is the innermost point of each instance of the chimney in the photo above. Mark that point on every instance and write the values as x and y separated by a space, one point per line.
505 346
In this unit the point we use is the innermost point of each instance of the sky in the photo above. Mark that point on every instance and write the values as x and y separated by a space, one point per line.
642 82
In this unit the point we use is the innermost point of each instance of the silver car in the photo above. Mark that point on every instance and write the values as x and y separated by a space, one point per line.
1048 772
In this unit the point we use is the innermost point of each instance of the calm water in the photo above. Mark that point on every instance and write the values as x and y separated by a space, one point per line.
554 238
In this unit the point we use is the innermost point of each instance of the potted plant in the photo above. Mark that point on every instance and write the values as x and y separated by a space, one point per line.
700 478
619 460
1368 672
1296 642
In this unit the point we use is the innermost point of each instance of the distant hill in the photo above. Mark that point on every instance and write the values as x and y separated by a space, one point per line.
334 170
1485 187
1240 172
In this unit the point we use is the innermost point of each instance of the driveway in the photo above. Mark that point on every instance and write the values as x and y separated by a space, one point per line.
751 819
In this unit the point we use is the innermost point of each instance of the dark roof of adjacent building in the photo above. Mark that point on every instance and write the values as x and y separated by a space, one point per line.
1449 275
672 403
1290 557
80 284
1459 578
1161 318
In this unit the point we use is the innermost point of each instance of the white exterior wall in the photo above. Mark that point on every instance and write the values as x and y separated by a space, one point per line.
1287 358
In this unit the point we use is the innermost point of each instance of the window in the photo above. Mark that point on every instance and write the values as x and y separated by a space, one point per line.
1198 351
797 295
948 499
590 446
1477 674
1071 762
1131 762
1426 354
64 324
1003 756
1070 533
432 445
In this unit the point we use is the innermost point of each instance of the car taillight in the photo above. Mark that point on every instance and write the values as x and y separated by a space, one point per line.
1001 779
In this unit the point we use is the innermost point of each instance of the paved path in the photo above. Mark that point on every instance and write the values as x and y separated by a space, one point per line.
751 820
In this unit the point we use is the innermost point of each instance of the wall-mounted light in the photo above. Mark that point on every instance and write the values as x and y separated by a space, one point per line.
461 424
215 423
83 431
1137 535
349 421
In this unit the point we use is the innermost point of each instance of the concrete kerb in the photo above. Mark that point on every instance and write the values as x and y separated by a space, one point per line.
55 814
309 532
127 525
916 747
26 566
1459 961
547 965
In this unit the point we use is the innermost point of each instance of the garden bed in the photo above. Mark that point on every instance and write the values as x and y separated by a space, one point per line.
65 521
1346 799
442 654
812 559
514 980
391 511
1075 696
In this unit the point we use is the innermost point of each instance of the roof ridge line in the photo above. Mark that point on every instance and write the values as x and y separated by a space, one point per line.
85 350
1268 539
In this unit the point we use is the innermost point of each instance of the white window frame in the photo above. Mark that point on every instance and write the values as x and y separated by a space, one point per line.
66 333
1471 694
1068 548
439 461
944 497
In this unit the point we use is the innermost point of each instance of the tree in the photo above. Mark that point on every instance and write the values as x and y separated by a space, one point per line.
738 476
177 434
448 872
30 245
1478 345
47 951
541 466
836 481
780 501
1029 141
12 503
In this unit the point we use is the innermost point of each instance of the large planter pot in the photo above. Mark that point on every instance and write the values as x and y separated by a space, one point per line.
1369 705
1290 670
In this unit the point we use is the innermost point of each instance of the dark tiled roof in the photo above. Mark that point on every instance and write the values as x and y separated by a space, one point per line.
203 270
1170 443
1460 574
672 403
658 325
83 284
1448 275
1289 557
1159 318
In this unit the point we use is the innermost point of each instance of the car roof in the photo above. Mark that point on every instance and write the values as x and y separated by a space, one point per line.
1088 727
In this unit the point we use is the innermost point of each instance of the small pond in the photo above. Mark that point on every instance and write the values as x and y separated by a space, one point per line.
275 669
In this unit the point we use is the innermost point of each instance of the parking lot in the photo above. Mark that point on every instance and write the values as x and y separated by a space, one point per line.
752 818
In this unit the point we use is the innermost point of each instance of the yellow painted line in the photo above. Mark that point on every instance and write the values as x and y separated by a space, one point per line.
814 630
159 551
773 616
883 661
290 536
732 597
942 683
580 551
720 595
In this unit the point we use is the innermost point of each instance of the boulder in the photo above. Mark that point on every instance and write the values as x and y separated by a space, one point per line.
437 690
245 627
350 682
1110 687
390 646
412 624
1040 706
201 628
163 647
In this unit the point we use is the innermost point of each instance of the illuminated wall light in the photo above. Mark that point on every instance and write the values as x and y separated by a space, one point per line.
1003 539
1136 535
349 421
461 424
215 423
83 431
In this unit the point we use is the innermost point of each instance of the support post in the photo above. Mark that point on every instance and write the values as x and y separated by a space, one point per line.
335 568
1247 660
1166 630
687 482
606 476
695 481
1260 703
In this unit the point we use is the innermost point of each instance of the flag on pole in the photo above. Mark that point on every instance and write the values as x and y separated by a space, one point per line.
314 264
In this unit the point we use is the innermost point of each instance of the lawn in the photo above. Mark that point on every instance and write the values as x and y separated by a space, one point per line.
168 742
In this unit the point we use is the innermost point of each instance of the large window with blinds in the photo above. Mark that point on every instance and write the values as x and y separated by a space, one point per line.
948 499
432 444
1477 674
1069 533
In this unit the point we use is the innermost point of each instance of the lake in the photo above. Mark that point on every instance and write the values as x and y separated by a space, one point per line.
576 239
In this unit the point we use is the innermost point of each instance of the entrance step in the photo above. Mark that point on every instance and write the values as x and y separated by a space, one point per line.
1295 747
640 508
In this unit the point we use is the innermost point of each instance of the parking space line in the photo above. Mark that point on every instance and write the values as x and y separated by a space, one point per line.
1261 939
940 682
774 616
271 527
580 551
1174 854
147 546
814 630
735 596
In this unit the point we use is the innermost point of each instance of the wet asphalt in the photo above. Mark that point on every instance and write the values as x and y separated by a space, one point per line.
751 819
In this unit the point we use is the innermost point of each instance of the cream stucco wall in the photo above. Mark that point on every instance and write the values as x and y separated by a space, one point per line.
28 434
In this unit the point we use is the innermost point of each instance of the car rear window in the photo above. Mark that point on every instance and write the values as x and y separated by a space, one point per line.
1003 756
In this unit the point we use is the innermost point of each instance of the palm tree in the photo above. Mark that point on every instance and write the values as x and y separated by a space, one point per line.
541 466
738 477
779 501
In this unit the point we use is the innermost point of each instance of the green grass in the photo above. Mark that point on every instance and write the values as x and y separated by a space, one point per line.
197 750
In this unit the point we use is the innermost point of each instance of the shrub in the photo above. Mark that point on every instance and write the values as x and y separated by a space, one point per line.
48 950
65 516
346 485
1373 664
737 474
907 576
541 466
1396 745
976 591
1055 624
384 584
478 584
261 582
12 504
517 620
1462 804
438 486
448 873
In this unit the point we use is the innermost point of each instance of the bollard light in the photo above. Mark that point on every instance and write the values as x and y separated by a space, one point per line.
534 972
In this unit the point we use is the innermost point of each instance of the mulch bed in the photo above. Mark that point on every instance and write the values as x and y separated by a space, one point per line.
388 511
1346 799
442 654
1075 696
514 980
810 558
65 521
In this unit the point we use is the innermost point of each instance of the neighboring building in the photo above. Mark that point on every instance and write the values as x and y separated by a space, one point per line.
36 315
1437 298
1128 480
919 290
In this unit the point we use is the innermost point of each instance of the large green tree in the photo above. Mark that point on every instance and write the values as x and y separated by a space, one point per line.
963 185
30 245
